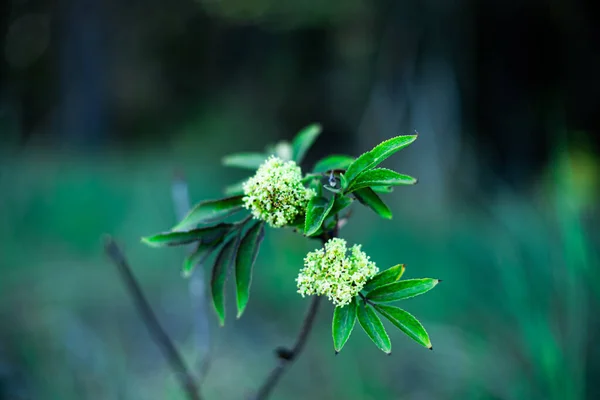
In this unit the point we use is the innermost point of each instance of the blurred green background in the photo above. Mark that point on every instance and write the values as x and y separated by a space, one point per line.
104 102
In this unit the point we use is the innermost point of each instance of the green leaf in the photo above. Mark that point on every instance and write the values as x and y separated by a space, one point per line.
381 177
382 189
315 184
332 189
244 160
316 211
370 199
339 204
236 189
333 162
402 290
303 140
298 222
372 325
181 238
342 324
407 324
244 263
374 157
219 276
202 252
343 181
389 275
210 211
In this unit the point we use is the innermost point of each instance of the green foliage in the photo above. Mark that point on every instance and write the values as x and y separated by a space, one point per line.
223 262
178 238
384 277
316 211
373 327
333 162
304 140
380 177
339 204
376 156
245 160
370 199
244 262
343 322
202 252
210 211
376 189
406 323
386 287
402 290
347 179
236 189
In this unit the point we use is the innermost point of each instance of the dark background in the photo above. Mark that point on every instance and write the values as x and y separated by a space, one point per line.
103 101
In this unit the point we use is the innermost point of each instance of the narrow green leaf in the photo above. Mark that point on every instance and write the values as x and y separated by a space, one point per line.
339 204
374 157
180 238
389 275
244 263
332 189
298 222
244 160
372 325
210 211
407 324
199 256
333 162
343 181
380 177
316 211
303 140
382 189
236 189
219 276
402 290
342 324
315 184
370 199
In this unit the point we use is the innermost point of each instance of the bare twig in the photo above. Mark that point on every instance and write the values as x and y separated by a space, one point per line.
288 356
163 341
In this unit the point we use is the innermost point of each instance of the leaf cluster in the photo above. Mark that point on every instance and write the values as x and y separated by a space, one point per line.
231 246
385 287
338 181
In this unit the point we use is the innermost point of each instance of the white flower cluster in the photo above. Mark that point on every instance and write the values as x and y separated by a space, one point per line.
275 194
332 273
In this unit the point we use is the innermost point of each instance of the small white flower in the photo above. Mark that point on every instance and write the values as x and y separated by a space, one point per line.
332 273
275 194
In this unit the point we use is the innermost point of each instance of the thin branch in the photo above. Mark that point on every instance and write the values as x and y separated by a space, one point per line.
287 356
157 332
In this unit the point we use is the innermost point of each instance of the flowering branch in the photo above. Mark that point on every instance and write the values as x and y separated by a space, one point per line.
278 195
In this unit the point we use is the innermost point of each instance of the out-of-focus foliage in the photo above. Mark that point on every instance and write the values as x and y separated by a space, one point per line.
518 296
102 101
